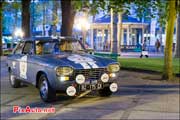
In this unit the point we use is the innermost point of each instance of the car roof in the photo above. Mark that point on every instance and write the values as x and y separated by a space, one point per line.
49 38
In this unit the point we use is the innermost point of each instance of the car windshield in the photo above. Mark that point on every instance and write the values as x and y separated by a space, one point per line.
55 47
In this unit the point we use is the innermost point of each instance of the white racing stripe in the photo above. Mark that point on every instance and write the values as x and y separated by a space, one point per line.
85 62
93 65
85 65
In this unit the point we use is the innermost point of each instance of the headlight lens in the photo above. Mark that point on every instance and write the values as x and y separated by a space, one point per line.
105 77
80 79
113 68
64 71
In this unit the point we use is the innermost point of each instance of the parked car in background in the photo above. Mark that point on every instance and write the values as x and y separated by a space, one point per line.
61 65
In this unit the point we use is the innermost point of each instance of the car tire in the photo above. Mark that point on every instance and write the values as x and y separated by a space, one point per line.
105 92
47 94
15 83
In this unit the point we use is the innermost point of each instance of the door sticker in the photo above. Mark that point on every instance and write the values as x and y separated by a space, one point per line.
23 67
13 64
85 62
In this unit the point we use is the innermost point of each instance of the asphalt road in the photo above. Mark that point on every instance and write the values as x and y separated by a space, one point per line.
140 96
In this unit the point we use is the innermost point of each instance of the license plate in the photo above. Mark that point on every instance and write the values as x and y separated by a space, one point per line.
91 86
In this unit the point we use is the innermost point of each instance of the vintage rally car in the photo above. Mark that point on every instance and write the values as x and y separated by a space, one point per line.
61 65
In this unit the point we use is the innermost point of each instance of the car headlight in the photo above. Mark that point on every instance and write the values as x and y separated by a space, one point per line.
104 77
64 71
80 79
113 68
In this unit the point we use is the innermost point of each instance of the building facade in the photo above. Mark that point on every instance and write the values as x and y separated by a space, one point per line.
133 34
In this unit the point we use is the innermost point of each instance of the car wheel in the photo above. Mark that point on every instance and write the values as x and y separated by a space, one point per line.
13 81
105 92
47 94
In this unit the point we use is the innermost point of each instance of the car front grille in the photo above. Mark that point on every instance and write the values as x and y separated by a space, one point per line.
90 74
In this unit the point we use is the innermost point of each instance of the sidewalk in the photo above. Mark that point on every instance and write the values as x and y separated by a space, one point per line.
137 54
2 58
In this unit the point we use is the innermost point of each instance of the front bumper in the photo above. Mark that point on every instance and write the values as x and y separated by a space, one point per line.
93 81
88 85
77 90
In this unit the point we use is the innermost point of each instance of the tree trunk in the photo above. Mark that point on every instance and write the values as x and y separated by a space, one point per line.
26 18
114 42
168 71
84 35
1 51
177 54
55 16
68 14
119 32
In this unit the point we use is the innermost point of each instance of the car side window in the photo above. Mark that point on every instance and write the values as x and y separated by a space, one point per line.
19 48
28 48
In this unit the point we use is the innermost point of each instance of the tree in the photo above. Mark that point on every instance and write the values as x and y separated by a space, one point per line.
114 31
68 14
1 51
55 17
168 71
26 18
117 8
14 7
167 11
69 9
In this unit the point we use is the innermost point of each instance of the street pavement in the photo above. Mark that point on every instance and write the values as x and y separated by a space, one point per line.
140 96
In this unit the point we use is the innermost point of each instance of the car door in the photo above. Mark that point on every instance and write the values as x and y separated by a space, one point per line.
13 60
25 63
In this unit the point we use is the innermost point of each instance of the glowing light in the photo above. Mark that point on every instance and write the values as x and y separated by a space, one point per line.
113 87
112 75
18 33
105 77
80 79
82 24
63 78
71 91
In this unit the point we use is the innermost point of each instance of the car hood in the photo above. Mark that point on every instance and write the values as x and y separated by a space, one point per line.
78 61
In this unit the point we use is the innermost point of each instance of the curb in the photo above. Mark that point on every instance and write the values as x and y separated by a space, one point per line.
146 71
2 58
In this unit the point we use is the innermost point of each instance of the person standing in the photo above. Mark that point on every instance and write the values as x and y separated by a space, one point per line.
157 45
144 50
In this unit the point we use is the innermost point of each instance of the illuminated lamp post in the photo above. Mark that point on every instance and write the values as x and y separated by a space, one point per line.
83 25
18 33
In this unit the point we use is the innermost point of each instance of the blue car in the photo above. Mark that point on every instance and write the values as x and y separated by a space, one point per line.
61 65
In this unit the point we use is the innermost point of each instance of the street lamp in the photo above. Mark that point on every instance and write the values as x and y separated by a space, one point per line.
83 25
18 33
